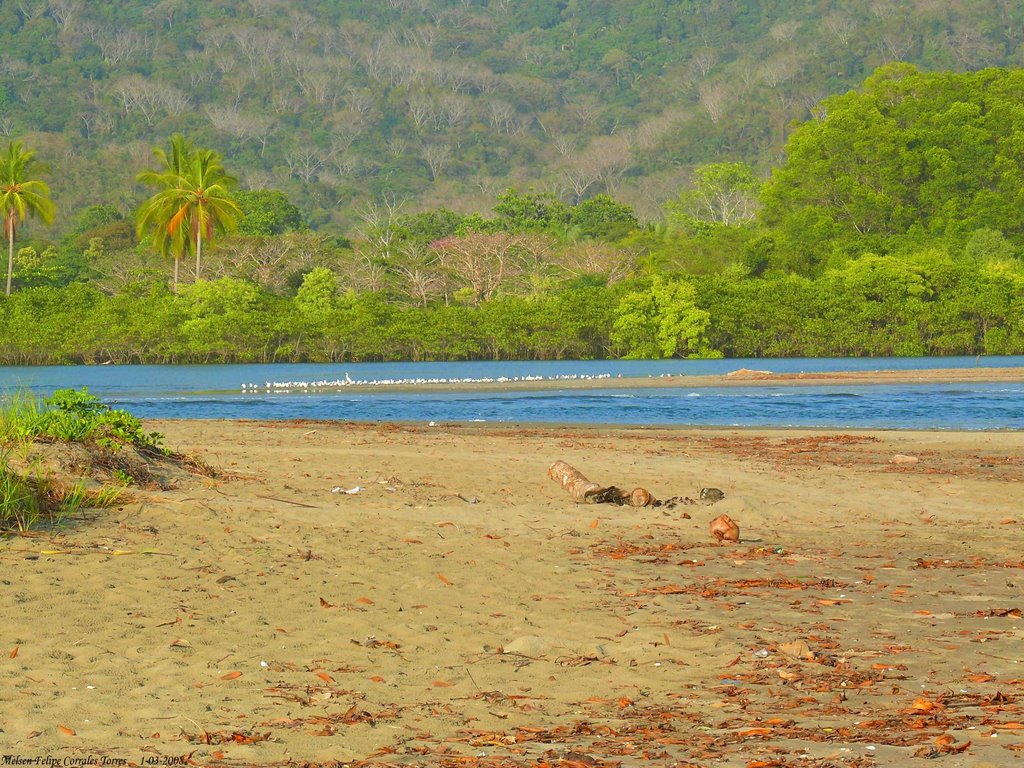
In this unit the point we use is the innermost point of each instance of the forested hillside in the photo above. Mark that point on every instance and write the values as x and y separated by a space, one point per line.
342 103
421 179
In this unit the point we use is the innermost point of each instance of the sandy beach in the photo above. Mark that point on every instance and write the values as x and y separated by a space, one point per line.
460 609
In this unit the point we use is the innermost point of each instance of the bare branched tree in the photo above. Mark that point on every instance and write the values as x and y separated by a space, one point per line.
703 61
970 47
779 69
137 94
421 109
64 12
418 272
305 162
299 25
173 100
563 144
317 85
122 46
715 98
455 109
840 26
379 224
481 262
368 273
32 9
360 101
164 11
437 157
895 44
581 176
784 31
501 115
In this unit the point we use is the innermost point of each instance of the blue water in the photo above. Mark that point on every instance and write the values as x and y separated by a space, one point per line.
216 392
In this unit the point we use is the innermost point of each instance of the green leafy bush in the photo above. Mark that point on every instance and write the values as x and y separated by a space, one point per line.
75 416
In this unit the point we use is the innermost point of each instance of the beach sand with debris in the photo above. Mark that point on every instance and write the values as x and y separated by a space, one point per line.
459 609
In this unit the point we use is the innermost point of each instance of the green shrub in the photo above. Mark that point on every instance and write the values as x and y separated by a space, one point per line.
74 416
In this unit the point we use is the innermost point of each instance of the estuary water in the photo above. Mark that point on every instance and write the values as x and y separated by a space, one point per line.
324 392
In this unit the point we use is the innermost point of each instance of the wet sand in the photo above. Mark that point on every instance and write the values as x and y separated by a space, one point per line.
461 610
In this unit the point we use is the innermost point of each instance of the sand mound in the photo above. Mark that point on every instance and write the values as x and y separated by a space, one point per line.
747 373
98 465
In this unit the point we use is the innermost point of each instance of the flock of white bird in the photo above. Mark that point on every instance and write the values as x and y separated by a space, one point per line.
348 381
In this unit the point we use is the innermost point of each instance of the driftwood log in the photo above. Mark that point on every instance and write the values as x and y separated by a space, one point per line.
586 492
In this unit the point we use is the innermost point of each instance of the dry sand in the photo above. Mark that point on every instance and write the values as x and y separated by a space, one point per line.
461 610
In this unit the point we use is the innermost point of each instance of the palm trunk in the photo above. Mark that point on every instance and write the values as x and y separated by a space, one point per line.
177 262
199 249
10 256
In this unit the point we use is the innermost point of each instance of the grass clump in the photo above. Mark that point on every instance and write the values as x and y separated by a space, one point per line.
73 416
30 495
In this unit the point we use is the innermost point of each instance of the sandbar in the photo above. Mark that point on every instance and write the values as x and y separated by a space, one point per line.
740 377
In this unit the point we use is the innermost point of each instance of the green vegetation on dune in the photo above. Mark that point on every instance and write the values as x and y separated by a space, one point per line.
31 493
29 498
73 416
70 452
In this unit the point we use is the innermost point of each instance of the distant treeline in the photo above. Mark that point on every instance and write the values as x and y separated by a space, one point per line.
929 304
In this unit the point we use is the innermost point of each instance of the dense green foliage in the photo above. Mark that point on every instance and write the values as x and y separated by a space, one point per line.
929 303
340 104
910 156
892 227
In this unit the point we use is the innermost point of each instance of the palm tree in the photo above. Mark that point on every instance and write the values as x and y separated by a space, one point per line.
192 200
154 214
21 196
206 201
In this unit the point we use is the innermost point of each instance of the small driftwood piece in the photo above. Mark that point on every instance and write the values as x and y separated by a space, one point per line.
586 492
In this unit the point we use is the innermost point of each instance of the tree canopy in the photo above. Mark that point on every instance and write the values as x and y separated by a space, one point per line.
910 154
890 226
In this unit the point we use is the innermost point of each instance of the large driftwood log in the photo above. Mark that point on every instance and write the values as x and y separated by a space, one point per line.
572 480
586 492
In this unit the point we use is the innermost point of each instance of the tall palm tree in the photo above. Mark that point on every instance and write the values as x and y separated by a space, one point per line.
21 196
155 213
206 201
192 200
